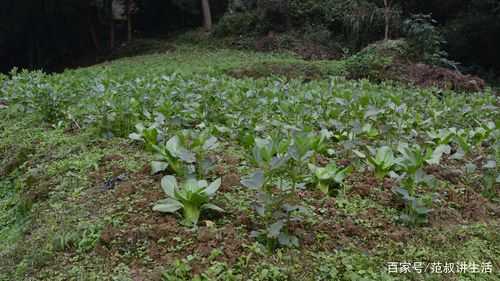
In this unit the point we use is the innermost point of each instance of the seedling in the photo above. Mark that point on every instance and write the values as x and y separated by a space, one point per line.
382 161
415 212
192 197
328 179
172 155
149 136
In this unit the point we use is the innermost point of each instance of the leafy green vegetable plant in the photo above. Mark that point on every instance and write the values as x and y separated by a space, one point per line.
148 135
328 178
416 211
184 154
192 196
414 157
172 155
275 182
199 143
382 160
442 136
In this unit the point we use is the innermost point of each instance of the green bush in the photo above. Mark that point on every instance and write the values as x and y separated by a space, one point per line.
236 24
425 42
318 34
309 11
367 64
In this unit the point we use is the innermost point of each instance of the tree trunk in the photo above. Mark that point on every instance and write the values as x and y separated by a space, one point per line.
93 33
111 22
129 20
112 34
207 16
387 15
129 23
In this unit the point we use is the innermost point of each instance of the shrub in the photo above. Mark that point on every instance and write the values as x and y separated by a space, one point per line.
318 34
273 15
367 64
236 24
425 42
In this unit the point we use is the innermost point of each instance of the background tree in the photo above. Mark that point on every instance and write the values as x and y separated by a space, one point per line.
207 15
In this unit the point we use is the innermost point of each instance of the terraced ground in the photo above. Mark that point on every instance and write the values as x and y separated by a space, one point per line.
321 178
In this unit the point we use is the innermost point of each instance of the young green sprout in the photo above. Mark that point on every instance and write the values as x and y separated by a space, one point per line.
191 196
329 177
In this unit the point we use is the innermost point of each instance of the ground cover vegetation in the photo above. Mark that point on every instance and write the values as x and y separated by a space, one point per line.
171 167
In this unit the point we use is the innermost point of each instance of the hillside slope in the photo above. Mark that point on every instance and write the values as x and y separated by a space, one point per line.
322 178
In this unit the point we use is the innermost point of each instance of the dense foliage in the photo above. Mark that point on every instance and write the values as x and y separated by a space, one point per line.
53 34
331 171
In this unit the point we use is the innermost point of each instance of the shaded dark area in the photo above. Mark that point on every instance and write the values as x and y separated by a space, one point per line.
471 28
57 34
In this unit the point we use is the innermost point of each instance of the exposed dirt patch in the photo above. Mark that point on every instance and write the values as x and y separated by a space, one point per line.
307 50
363 184
230 181
311 51
450 175
423 75
16 159
125 190
231 160
444 216
475 206
111 157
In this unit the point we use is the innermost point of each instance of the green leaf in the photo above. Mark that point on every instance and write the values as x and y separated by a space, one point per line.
191 185
490 164
422 210
213 187
191 214
175 148
135 136
140 127
168 205
470 168
359 153
402 192
385 156
275 229
459 155
158 166
438 153
212 207
254 180
169 185
210 144
323 187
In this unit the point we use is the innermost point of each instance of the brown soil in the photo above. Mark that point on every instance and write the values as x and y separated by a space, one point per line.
450 175
230 181
15 160
425 76
305 49
311 51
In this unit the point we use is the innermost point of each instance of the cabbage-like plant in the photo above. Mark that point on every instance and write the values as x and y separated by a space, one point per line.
442 136
192 196
328 177
416 211
415 157
381 160
172 155
147 135
266 153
